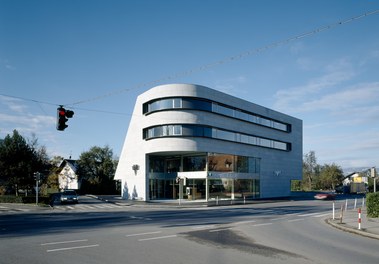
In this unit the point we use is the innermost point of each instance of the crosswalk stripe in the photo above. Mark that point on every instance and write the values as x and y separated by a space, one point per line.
85 206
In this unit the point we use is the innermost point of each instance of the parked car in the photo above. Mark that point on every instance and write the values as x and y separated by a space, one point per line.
325 196
69 196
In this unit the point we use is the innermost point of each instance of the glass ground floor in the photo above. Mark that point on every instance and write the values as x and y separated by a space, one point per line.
204 189
203 176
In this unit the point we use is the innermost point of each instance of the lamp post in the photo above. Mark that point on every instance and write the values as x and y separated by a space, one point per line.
37 176
373 175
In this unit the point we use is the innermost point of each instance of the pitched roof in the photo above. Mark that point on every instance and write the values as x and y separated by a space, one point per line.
69 162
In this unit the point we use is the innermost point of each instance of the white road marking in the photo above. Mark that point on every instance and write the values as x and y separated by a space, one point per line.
264 224
71 248
279 218
293 214
203 227
321 215
64 242
310 214
154 238
295 220
143 234
219 230
244 222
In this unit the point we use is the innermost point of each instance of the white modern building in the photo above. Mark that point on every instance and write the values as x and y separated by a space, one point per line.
191 142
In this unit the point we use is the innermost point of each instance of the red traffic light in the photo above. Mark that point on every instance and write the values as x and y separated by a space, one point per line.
62 115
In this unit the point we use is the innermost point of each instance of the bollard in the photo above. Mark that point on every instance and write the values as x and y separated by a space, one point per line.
341 214
363 202
359 218
217 200
244 199
333 211
346 205
355 203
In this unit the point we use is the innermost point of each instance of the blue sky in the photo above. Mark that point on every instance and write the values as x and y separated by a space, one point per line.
95 57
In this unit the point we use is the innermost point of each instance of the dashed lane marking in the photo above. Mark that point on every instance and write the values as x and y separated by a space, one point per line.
71 248
155 238
295 220
143 234
263 224
64 242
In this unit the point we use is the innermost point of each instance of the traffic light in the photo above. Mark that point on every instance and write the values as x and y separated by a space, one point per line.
62 115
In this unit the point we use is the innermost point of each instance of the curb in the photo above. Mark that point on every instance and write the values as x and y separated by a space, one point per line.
349 229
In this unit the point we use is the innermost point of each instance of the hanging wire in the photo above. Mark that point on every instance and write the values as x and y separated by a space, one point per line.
204 67
229 59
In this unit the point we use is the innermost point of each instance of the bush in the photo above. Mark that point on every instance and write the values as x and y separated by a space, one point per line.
373 204
24 199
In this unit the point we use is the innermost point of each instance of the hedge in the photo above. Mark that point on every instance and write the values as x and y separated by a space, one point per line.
373 205
10 199
23 199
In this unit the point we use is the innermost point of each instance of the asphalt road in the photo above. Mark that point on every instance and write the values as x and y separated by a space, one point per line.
97 232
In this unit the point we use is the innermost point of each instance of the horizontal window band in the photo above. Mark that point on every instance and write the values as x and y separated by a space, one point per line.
191 130
194 103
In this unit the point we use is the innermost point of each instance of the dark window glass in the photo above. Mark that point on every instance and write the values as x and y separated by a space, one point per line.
242 164
207 132
156 164
190 103
196 163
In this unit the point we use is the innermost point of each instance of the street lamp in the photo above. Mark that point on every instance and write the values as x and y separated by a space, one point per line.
37 177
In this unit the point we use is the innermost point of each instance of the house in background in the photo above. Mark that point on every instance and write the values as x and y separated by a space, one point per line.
355 183
67 177
355 177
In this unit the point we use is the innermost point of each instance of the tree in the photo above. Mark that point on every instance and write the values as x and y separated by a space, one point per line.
310 170
18 162
330 176
40 153
96 169
52 180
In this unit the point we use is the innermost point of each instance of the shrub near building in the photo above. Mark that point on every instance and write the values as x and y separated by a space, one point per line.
373 204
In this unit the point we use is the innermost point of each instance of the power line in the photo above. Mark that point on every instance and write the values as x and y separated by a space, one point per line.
101 111
230 58
41 102
203 67
28 99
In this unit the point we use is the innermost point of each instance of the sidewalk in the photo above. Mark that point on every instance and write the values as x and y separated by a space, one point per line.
349 223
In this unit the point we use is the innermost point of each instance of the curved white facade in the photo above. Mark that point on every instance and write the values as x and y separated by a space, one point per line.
192 142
